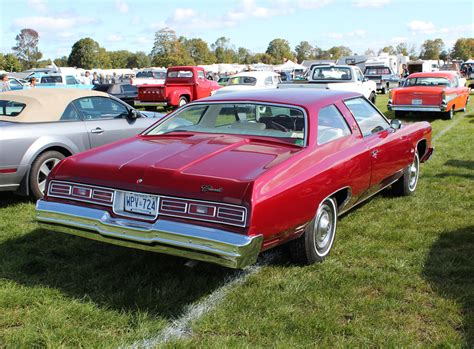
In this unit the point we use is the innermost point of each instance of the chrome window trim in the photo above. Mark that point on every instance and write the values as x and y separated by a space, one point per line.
172 114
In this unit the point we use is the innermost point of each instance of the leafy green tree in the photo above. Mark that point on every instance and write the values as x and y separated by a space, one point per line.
463 49
168 50
85 54
279 50
26 48
244 56
304 51
61 62
2 61
11 63
139 60
337 52
104 59
431 49
43 63
224 51
262 58
198 50
119 59
388 49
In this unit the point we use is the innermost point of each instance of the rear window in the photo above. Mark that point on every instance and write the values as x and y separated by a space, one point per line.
180 74
129 88
51 80
377 71
11 108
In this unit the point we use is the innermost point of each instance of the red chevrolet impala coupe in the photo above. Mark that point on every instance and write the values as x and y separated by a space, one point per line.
438 92
227 177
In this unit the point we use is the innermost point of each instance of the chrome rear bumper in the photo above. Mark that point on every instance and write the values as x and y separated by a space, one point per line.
419 108
179 239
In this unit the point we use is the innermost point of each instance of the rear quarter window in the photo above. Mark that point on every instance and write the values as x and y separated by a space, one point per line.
11 108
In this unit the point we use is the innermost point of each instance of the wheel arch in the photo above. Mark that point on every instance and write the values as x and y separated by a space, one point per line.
422 147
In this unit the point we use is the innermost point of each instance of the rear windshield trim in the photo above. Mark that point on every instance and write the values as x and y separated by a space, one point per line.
17 105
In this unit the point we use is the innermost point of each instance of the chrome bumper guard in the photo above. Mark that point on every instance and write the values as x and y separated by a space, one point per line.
430 108
139 103
179 239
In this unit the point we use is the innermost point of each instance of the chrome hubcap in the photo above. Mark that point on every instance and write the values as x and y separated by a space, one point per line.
44 171
182 102
413 173
324 229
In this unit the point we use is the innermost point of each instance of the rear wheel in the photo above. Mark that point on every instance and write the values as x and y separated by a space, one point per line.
372 97
384 91
182 101
448 115
316 242
406 185
40 170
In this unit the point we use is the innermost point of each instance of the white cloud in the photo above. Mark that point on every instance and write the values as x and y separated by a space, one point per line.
335 35
52 23
188 19
370 3
121 6
421 27
38 5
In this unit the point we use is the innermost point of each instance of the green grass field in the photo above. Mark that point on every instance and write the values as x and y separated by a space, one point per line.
401 274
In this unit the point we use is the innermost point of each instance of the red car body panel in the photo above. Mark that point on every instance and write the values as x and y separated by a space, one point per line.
174 88
443 98
281 185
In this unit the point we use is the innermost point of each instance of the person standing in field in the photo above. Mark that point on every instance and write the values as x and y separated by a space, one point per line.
4 83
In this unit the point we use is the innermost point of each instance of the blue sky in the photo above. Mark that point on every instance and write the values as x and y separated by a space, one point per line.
131 24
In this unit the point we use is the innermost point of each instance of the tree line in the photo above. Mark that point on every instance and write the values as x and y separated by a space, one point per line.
169 50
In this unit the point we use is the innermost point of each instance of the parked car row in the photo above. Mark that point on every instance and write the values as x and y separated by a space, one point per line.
211 181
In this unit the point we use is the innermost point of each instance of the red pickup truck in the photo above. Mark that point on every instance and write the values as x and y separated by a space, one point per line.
182 85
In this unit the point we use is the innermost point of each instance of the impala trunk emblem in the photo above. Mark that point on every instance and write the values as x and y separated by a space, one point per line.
210 188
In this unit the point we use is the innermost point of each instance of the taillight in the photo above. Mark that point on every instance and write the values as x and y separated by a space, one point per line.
81 192
203 210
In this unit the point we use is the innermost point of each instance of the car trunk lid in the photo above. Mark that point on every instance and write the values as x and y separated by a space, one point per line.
210 167
418 95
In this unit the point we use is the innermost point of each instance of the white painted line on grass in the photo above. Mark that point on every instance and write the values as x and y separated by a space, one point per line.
451 125
181 327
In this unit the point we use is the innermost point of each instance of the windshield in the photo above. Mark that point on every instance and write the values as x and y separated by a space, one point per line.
377 71
242 80
427 81
282 122
332 73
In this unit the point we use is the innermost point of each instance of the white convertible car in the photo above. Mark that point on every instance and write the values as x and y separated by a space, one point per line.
251 80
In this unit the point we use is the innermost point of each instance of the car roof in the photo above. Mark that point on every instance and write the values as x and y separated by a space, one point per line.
303 97
438 74
44 104
256 73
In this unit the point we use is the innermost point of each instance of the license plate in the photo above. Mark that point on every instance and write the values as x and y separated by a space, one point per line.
416 101
141 203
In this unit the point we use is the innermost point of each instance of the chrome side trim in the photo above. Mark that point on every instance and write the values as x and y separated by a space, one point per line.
164 236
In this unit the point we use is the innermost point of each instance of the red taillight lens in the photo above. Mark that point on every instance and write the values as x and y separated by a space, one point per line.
92 194
207 211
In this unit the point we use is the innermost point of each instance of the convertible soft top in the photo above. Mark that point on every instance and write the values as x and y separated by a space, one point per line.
44 105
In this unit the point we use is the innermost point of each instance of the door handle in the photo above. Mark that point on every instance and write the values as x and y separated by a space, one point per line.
374 153
97 130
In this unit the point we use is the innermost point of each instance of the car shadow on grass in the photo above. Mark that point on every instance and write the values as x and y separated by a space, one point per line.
450 270
8 199
112 277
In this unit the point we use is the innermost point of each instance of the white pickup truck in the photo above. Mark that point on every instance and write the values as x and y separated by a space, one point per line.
338 77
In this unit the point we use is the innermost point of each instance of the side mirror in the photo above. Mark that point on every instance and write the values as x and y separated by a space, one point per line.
133 114
395 124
